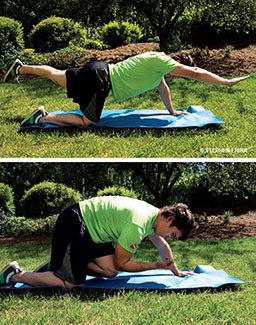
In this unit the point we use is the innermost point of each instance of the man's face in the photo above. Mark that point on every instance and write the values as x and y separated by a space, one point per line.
172 233
166 230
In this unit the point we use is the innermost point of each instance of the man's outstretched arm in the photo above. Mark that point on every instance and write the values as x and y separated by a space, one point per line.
166 254
204 75
165 95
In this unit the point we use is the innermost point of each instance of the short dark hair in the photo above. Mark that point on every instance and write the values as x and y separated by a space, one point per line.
183 217
184 58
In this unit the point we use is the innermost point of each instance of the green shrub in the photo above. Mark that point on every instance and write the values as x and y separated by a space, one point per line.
22 226
115 190
120 33
60 59
55 33
228 51
92 44
7 208
48 198
11 41
89 44
227 215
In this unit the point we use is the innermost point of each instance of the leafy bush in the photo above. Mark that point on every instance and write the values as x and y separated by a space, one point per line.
120 33
228 51
11 40
94 44
22 226
227 215
48 198
55 33
7 208
60 59
89 44
115 190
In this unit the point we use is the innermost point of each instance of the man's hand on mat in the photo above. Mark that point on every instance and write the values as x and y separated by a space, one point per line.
170 265
173 267
177 113
234 81
177 272
184 273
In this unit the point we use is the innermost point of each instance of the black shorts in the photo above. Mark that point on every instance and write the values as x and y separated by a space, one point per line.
89 86
73 247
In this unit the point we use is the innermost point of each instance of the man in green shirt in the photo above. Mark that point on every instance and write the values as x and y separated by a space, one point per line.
100 236
90 84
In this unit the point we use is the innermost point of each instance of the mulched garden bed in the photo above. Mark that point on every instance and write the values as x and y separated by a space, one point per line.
213 228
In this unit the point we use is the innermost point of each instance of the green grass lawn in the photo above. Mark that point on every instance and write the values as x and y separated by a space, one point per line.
237 257
236 138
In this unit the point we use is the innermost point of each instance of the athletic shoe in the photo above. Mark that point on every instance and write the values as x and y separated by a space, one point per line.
7 273
43 267
13 71
33 118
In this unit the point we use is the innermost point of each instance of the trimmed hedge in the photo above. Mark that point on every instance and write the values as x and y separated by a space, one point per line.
11 41
55 33
48 198
7 208
21 226
118 33
60 59
115 190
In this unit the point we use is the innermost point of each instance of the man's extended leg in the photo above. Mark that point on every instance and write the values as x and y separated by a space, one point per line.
45 71
204 75
40 279
65 119
12 273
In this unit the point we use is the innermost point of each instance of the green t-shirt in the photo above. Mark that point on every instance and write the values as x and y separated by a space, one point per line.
118 219
139 73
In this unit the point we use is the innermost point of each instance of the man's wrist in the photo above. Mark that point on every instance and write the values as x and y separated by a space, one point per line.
171 111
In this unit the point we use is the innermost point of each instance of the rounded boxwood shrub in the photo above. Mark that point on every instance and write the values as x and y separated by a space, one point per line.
48 198
118 33
116 190
7 208
11 40
55 33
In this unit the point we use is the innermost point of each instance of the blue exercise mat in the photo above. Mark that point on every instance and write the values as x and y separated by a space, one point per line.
205 276
197 116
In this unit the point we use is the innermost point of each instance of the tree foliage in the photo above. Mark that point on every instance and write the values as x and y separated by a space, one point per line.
170 20
159 179
167 17
202 185
236 15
